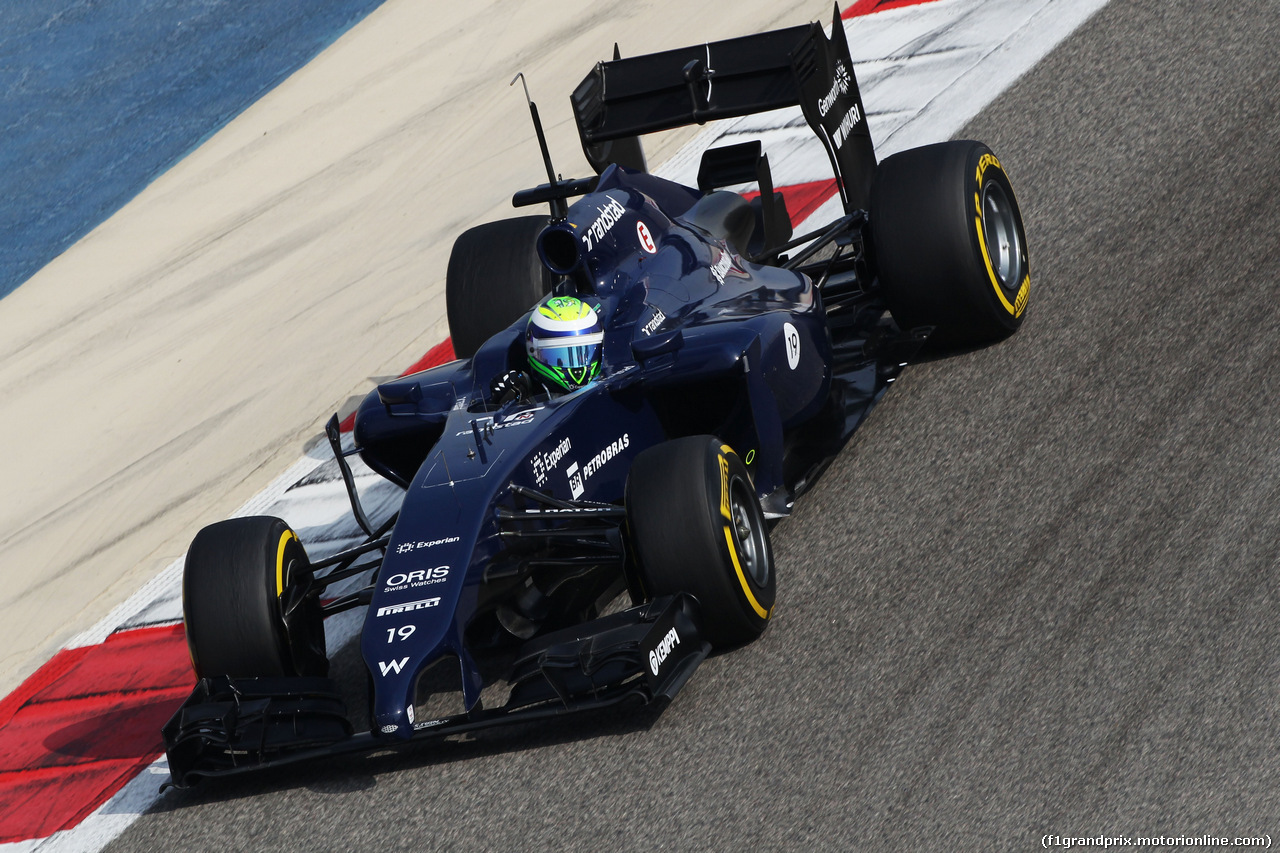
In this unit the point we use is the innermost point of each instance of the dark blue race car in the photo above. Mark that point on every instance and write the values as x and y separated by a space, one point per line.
647 378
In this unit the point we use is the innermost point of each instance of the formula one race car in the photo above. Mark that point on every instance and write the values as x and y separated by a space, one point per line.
647 377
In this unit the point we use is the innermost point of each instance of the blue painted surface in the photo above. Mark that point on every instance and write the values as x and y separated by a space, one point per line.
99 97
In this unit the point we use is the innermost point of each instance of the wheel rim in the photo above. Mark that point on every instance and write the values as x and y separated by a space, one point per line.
748 534
1000 229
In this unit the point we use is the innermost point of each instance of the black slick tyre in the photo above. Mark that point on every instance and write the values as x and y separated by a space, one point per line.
948 242
244 604
696 526
494 276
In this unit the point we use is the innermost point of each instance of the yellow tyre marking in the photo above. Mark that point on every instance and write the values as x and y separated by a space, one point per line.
742 578
725 450
284 540
1024 291
987 160
728 533
1020 301
995 282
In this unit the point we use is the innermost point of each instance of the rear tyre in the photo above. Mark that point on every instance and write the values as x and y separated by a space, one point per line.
494 276
949 244
244 603
697 527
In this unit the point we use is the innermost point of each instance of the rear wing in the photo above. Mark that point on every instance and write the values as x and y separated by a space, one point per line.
624 98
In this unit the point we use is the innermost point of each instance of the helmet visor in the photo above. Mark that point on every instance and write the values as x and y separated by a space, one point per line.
572 356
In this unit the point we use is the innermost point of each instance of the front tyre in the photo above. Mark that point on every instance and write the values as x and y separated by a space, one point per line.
245 603
949 244
696 526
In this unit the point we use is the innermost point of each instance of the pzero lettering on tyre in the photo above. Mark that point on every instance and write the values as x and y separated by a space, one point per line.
999 231
696 526
949 244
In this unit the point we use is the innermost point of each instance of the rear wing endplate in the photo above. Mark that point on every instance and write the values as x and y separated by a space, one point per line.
736 77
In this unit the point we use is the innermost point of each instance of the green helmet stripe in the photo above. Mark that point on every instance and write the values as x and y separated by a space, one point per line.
548 372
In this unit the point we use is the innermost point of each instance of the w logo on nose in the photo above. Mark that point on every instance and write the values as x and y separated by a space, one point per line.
393 666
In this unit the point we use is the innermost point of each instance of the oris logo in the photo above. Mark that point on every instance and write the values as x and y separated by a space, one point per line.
663 651
418 577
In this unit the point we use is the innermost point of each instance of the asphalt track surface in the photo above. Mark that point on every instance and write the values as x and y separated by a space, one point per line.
1035 595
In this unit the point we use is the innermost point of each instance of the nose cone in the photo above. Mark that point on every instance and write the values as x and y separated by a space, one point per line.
395 722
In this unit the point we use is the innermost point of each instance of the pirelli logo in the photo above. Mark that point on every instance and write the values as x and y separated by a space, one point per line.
408 605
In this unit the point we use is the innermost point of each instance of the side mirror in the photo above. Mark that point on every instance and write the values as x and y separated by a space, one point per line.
652 347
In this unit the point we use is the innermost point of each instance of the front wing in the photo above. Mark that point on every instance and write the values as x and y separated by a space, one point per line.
641 656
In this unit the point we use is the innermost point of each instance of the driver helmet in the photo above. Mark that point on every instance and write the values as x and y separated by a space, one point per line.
564 340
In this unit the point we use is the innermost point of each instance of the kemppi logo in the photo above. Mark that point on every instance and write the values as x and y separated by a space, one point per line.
663 651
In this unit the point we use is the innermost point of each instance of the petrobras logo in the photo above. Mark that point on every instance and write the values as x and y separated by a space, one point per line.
406 547
604 456
607 218
663 650
839 86
575 481
544 463
416 578
408 606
